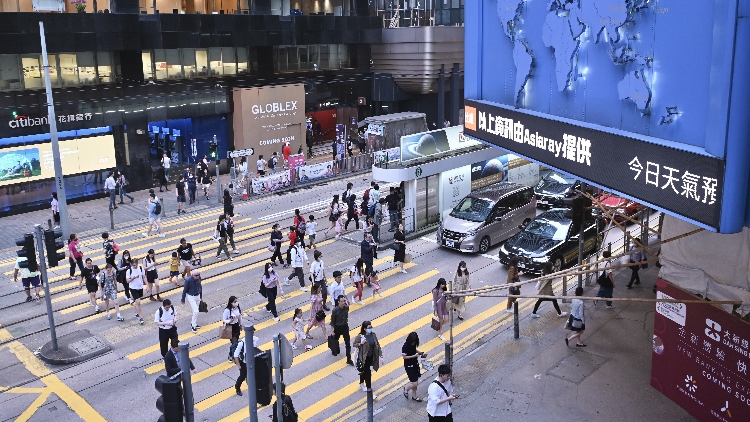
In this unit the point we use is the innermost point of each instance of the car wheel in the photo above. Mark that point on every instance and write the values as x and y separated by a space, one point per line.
557 264
484 245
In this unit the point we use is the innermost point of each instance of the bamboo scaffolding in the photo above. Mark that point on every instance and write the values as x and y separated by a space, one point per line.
608 299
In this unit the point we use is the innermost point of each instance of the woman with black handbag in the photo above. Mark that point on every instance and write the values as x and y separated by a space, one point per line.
317 314
271 284
232 319
399 242
576 321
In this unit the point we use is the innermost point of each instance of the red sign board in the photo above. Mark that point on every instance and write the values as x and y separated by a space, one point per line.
700 358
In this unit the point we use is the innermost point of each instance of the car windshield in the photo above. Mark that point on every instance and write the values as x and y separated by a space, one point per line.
559 178
550 229
473 209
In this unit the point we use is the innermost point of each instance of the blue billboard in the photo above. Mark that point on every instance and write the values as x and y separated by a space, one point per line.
611 74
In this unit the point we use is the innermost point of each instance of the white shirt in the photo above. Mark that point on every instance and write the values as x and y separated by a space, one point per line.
138 273
24 272
242 348
166 316
109 184
356 275
261 164
299 257
243 168
166 162
336 290
310 228
434 395
227 316
55 205
149 265
318 270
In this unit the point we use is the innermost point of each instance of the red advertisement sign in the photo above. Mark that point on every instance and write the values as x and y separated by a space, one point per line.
700 357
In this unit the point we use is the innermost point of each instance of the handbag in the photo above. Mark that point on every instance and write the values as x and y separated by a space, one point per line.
225 332
203 307
358 362
271 248
395 246
320 315
427 365
263 290
334 345
577 323
435 324
407 258
644 266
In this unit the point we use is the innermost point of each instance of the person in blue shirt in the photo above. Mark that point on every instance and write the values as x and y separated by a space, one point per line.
193 291
192 184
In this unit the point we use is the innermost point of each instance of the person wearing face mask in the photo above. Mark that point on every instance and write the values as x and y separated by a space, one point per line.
271 281
370 354
194 292
439 307
232 317
108 281
135 276
90 274
460 282
337 288
121 270
276 239
152 275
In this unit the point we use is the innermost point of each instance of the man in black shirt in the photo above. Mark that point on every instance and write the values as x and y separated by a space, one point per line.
180 190
185 250
393 201
340 325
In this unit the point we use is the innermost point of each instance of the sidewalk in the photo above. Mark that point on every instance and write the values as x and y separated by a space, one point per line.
538 378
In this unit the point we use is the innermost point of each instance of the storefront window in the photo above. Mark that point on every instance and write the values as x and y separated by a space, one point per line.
148 72
188 62
160 62
242 61
68 69
201 62
229 61
104 63
10 75
174 65
281 59
214 61
86 67
33 76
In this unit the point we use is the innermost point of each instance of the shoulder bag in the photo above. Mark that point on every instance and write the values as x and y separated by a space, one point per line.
225 332
263 290
320 315
444 390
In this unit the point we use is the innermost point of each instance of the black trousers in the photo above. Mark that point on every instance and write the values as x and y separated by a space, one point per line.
446 418
242 377
121 278
340 331
271 305
300 274
365 377
165 336
350 217
634 275
277 252
554 303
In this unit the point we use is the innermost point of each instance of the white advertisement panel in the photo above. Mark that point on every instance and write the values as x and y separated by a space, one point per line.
271 183
388 155
434 142
522 171
454 185
315 171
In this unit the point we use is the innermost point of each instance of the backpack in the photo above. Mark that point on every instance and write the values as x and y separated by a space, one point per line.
161 312
233 347
302 226
272 162
157 208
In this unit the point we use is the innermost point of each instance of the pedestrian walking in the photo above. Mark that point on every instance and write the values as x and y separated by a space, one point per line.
337 288
411 357
122 268
166 319
229 224
152 275
357 275
460 282
162 175
318 276
636 256
108 283
367 226
242 170
136 279
55 205
399 255
154 216
172 360
606 282
221 235
205 179
276 240
271 281
576 321
393 201
300 226
261 166
202 165
90 276
370 354
123 184
167 163
186 253
348 192
368 248
232 317
439 305
179 189
292 237
351 212
273 162
440 396
110 249
286 151
317 315
375 284
75 255
514 276
193 291
240 352
192 184
377 219
298 257
340 326
333 214
28 279
544 288
228 203
311 229
110 187
298 326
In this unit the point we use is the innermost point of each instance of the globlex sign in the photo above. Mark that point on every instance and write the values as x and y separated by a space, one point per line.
270 108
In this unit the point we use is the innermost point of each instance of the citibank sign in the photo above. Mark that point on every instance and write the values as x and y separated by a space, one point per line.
27 122
274 107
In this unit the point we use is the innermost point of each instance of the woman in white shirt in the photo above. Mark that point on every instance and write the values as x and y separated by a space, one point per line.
318 271
440 396
152 275
576 318
261 164
233 316
135 276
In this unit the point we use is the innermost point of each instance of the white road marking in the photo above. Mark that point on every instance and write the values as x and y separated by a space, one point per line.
428 239
490 257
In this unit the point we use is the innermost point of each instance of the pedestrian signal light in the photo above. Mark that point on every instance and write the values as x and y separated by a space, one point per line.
170 401
52 245
213 150
263 379
27 251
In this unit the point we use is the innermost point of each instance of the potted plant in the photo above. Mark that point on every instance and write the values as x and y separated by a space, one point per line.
80 5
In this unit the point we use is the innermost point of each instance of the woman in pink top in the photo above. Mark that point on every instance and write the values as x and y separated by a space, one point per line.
316 305
75 256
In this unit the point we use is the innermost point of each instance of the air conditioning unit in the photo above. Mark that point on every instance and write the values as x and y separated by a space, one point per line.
48 5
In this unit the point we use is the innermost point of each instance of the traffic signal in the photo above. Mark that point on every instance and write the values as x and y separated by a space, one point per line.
28 252
578 208
52 245
170 401
213 150
263 378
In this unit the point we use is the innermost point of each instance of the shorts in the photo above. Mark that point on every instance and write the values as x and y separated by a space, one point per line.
152 276
311 238
92 286
174 273
136 293
152 220
262 172
181 198
185 263
205 186
413 373
30 281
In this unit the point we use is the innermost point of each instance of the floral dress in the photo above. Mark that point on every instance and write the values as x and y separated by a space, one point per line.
109 285
316 304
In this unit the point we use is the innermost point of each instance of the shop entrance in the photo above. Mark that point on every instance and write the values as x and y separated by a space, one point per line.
427 211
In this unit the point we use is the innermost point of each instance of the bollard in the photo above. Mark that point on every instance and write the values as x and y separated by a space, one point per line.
163 211
49 223
370 405
111 219
565 289
448 354
516 333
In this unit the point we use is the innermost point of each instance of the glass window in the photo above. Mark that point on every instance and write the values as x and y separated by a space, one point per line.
85 67
344 56
281 58
10 75
148 70
325 57
68 69
160 62
188 62
214 61
229 60
174 65
242 62
201 62
32 71
104 67
293 58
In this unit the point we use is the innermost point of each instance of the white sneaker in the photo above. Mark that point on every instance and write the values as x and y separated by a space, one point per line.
268 310
144 234
130 300
403 271
362 302
510 311
276 319
108 316
286 282
96 308
162 235
236 252
562 314
294 347
362 386
231 259
302 289
441 337
611 307
533 315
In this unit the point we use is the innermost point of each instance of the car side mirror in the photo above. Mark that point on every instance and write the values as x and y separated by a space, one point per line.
522 226
498 217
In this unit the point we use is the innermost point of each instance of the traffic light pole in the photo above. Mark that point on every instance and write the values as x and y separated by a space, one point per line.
43 276
52 120
580 251
250 362
187 386
277 367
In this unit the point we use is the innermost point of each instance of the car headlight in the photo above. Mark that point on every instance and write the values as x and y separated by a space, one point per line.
540 259
471 232
503 249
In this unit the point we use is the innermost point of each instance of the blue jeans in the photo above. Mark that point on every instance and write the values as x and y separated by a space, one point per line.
606 292
124 192
112 199
394 219
166 173
376 233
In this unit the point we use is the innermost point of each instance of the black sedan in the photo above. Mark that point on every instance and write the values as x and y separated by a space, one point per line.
554 187
550 237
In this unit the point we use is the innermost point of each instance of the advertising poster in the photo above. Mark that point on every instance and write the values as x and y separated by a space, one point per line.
374 136
522 171
456 184
700 357
315 171
388 155
340 141
424 144
271 183
19 165
488 172
296 160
